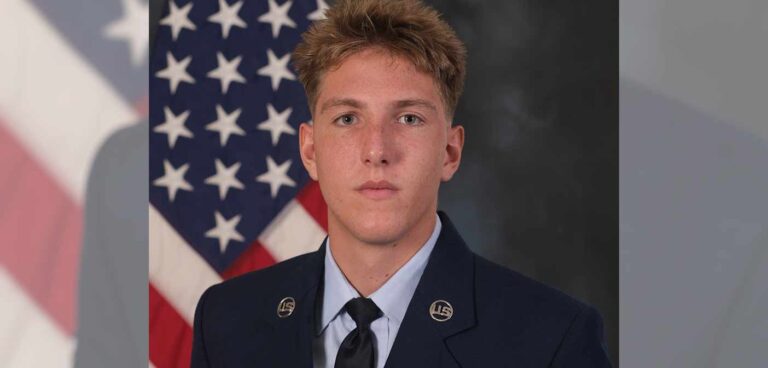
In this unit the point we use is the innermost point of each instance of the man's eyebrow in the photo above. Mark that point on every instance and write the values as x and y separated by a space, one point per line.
415 102
351 102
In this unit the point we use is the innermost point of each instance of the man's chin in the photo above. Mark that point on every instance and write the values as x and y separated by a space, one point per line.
378 235
381 226
375 228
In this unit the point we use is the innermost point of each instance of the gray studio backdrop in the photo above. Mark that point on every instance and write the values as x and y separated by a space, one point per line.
694 183
537 190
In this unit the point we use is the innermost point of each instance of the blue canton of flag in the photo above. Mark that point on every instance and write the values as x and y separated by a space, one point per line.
224 116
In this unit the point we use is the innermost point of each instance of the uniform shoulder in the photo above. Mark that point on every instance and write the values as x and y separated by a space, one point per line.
256 284
508 287
535 323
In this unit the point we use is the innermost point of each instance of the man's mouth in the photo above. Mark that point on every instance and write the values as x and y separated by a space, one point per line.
381 189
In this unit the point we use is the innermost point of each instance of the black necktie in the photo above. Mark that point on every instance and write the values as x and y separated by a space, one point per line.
356 351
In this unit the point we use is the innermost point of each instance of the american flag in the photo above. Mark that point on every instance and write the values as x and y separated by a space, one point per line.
228 192
71 74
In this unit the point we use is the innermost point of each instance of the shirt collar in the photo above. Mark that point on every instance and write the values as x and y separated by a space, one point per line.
389 297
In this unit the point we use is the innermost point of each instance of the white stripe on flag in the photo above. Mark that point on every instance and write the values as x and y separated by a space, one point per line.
28 337
291 233
175 269
57 104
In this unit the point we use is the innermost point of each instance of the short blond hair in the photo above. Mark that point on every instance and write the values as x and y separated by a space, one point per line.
406 28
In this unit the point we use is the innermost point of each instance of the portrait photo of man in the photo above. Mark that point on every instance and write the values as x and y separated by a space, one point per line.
393 284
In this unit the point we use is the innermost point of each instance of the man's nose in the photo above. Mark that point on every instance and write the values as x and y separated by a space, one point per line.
378 146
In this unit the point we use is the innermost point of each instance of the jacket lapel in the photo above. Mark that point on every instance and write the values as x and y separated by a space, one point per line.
293 334
448 277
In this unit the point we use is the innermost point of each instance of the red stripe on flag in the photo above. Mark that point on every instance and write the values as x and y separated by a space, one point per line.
257 257
312 200
40 232
254 258
170 337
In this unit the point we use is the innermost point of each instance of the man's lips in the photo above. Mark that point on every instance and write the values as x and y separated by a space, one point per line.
381 189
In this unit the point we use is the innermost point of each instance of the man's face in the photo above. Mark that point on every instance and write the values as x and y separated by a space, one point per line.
379 145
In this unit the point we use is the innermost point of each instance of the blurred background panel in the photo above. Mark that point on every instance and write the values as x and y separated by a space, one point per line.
72 75
694 183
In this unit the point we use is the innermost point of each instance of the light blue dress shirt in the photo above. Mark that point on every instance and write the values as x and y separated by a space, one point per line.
392 298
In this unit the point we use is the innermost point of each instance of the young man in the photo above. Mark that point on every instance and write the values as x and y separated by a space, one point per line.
394 284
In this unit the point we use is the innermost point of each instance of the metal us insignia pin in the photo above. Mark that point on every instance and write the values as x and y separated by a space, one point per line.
440 310
285 307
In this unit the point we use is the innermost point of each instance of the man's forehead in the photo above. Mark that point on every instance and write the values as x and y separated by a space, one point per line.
363 68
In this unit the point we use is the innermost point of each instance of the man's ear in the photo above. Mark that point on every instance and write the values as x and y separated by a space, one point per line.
307 149
453 151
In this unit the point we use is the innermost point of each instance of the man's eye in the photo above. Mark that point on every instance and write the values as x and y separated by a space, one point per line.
346 119
409 119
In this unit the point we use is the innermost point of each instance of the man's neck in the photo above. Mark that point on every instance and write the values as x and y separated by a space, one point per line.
368 266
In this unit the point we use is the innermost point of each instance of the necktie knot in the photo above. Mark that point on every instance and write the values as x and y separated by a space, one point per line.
357 350
363 311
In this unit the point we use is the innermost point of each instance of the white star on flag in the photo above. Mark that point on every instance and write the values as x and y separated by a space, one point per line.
225 124
174 126
133 27
277 123
178 19
173 179
276 69
276 176
278 17
176 71
320 12
225 231
227 17
225 178
227 72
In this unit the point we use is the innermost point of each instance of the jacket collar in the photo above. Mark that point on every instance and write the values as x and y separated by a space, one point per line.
448 277
388 297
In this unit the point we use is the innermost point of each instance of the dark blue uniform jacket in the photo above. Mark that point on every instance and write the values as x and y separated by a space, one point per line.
500 318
